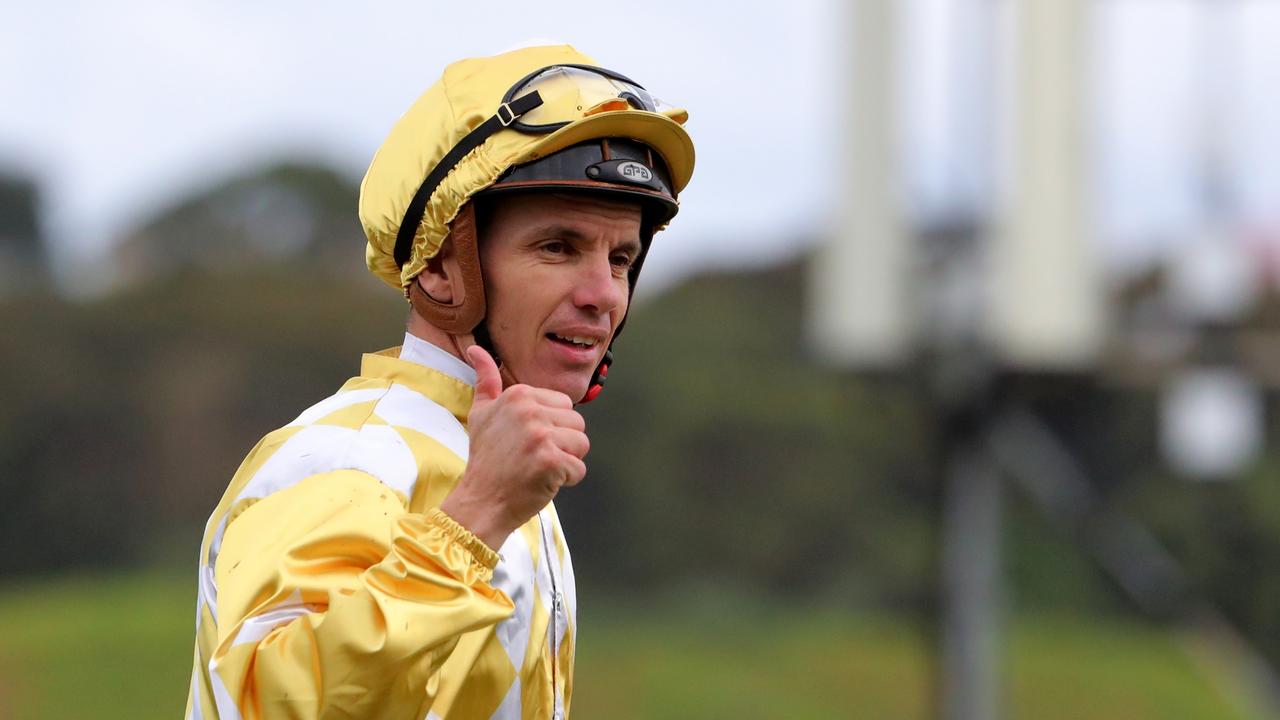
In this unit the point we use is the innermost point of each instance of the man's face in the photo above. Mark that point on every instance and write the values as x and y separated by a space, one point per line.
555 274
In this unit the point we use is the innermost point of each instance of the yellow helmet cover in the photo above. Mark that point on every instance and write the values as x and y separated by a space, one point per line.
469 93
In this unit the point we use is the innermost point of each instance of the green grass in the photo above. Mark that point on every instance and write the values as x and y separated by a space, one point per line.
1063 668
755 664
119 646
104 647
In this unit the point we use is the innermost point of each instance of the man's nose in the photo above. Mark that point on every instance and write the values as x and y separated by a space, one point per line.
598 288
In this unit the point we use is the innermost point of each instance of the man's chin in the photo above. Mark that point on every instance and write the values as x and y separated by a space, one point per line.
576 390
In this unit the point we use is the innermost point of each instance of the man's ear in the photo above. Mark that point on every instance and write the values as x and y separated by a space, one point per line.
441 280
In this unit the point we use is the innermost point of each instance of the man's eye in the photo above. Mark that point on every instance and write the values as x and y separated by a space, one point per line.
622 261
555 247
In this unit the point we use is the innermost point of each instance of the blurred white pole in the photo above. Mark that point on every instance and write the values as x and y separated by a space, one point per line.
860 314
1047 304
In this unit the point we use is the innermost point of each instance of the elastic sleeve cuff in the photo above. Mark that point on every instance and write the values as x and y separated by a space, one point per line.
482 553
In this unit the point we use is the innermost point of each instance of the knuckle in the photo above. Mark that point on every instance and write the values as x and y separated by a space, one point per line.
542 458
526 412
539 436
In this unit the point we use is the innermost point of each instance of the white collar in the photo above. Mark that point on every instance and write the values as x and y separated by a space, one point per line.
417 350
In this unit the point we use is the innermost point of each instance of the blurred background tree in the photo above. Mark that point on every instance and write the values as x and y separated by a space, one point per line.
725 459
722 452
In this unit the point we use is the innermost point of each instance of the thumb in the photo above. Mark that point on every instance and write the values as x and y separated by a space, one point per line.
488 381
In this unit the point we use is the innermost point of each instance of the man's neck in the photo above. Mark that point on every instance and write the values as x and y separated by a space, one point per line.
424 352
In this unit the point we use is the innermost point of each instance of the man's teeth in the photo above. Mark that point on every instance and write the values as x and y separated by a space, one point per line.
577 340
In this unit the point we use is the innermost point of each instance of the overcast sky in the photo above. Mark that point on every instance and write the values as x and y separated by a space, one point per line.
119 108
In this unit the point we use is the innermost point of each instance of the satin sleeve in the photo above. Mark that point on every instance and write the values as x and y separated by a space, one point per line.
334 601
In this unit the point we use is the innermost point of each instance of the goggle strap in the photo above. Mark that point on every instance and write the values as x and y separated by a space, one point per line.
507 113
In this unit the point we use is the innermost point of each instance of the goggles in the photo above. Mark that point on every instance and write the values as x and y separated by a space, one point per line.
541 102
572 92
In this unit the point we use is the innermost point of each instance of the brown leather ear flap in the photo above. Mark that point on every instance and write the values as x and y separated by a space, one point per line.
468 307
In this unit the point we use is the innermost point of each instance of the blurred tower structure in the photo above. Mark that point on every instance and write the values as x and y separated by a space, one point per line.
884 299
1043 312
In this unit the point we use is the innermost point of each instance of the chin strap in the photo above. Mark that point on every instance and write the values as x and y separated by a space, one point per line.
596 386
480 336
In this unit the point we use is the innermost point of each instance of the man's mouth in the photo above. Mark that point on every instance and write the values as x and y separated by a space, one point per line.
577 341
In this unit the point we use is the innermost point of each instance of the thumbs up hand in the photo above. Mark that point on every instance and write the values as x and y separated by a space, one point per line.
526 444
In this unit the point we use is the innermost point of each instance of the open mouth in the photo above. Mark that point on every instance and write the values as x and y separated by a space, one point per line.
575 341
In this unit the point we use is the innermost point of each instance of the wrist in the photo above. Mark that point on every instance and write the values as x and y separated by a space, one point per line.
477 518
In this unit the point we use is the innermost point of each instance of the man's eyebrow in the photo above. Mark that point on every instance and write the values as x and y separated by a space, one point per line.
567 232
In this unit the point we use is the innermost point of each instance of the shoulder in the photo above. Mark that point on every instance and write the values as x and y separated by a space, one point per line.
380 428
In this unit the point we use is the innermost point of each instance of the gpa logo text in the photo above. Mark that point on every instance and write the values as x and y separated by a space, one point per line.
635 171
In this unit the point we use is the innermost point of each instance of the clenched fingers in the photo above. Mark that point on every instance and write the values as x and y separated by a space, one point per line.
574 442
541 396
534 413
570 419
575 470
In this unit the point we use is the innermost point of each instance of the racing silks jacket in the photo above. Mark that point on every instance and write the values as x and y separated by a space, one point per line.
330 585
